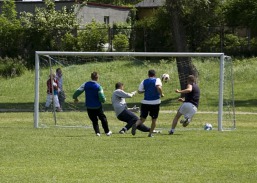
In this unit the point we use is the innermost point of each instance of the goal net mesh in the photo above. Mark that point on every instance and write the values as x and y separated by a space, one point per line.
131 70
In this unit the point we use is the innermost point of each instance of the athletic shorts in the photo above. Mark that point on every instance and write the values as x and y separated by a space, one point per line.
188 110
152 110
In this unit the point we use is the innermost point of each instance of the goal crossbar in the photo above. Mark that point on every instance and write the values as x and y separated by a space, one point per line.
221 56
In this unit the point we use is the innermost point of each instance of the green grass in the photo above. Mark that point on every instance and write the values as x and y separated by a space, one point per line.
58 154
18 93
77 155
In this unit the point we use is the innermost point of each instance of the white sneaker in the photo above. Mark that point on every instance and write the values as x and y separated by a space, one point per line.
109 133
135 109
122 131
98 134
157 131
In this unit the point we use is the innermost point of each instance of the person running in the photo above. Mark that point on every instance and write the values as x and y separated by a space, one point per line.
94 97
190 104
150 105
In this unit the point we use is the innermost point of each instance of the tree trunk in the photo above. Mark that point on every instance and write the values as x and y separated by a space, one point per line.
184 64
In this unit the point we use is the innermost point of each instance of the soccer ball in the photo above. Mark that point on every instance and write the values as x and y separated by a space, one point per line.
165 77
207 126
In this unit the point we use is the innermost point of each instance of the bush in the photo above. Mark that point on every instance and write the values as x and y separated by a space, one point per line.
120 42
11 67
92 35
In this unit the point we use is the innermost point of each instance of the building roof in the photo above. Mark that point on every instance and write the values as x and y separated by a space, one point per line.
150 3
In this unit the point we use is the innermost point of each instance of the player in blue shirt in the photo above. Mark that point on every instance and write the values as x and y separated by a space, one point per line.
94 97
150 105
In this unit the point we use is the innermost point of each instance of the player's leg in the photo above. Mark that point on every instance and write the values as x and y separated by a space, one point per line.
175 122
48 101
92 114
103 119
189 111
143 128
57 104
129 117
143 116
154 113
61 97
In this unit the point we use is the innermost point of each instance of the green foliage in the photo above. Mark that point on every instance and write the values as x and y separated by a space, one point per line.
231 43
45 29
154 32
122 28
241 13
8 10
11 33
93 35
69 42
11 67
121 42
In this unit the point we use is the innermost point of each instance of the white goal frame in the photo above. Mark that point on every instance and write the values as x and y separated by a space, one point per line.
221 56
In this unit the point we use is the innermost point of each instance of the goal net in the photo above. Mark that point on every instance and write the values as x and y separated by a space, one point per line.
215 79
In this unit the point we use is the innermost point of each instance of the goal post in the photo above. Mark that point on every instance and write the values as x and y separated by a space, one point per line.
220 56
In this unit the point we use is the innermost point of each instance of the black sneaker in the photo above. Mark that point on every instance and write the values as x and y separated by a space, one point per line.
185 122
171 132
133 130
150 135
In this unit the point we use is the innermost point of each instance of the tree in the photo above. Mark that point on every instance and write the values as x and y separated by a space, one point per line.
10 31
184 64
189 22
46 27
241 13
51 24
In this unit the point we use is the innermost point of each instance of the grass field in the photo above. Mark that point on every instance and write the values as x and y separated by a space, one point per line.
58 154
77 155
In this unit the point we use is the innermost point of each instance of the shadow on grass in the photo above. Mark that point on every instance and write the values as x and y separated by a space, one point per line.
246 103
29 107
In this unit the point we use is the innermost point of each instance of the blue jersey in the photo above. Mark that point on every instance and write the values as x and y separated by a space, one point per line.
94 96
151 92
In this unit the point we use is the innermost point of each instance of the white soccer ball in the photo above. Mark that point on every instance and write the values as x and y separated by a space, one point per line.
207 126
165 77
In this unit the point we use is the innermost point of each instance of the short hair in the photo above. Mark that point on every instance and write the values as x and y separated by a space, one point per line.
58 69
118 85
191 78
94 75
151 73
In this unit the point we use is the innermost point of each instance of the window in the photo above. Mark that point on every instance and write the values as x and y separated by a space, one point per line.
106 19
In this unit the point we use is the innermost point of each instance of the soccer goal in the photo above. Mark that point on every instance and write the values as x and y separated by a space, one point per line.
215 78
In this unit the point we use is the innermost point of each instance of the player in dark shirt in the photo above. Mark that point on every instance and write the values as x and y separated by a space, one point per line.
190 103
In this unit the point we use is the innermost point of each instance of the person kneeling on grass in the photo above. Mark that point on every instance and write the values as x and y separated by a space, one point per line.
190 103
124 113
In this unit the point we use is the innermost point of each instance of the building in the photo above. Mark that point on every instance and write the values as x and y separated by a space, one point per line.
147 7
102 13
87 12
